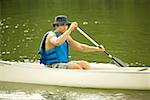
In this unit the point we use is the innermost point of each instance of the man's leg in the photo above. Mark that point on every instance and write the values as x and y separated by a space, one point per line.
84 64
73 65
79 65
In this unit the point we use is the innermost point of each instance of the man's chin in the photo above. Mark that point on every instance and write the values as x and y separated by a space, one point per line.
62 32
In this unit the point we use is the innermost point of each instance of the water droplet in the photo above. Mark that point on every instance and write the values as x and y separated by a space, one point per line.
26 31
28 38
5 44
1 24
33 30
7 52
4 19
20 56
3 31
136 63
85 23
51 93
18 46
96 22
143 64
16 26
25 56
131 64
6 26
3 52
25 34
14 49
24 25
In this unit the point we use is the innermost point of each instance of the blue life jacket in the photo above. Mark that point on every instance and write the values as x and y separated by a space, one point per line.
58 54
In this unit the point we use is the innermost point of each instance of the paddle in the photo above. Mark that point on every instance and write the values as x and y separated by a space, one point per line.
117 61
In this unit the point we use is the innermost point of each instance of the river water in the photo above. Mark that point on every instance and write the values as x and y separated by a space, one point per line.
39 92
122 26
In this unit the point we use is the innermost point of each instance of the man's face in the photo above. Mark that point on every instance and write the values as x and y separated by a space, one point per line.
62 28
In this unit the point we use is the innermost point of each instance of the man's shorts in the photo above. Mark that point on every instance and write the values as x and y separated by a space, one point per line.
58 65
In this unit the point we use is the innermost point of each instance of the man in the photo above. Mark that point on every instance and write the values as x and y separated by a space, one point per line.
54 47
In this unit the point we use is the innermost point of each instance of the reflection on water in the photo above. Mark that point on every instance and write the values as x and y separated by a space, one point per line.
20 96
40 92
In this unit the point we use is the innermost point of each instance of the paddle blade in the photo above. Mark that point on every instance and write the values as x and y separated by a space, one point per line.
119 63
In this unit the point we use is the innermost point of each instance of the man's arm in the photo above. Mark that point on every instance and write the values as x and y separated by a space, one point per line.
83 47
59 40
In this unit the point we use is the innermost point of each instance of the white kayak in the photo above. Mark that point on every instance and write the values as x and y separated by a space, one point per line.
106 76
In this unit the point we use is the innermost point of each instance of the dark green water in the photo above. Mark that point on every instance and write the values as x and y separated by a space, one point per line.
122 26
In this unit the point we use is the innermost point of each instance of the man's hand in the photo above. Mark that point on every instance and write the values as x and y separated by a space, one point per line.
73 26
62 38
100 49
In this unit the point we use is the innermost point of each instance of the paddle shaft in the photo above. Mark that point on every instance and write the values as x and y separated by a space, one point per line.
100 46
90 39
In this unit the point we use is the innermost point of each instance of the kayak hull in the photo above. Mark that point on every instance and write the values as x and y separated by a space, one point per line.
108 78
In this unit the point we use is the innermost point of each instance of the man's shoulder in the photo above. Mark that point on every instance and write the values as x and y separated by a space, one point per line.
51 34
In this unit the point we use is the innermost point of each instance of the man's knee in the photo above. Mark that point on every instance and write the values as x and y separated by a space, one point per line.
84 64
74 66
